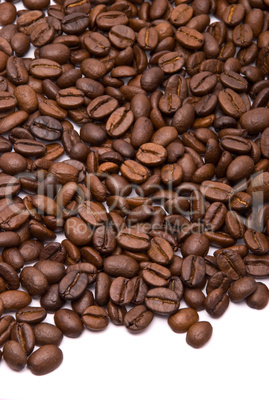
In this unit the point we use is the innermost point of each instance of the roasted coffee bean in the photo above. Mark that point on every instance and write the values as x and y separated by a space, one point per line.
199 334
160 251
34 281
121 291
196 244
24 335
31 315
182 320
155 274
73 285
216 303
14 355
15 299
84 301
95 318
6 324
45 360
256 265
102 286
121 265
47 334
231 263
259 298
162 301
194 298
218 280
51 300
193 271
256 241
138 318
133 240
215 216
116 313
241 289
68 322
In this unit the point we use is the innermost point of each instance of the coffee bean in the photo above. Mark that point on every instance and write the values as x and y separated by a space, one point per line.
47 334
24 335
68 322
194 298
121 265
137 319
193 271
259 298
256 265
198 334
162 300
116 313
95 318
31 315
15 299
182 320
14 355
216 303
231 263
256 242
241 289
45 360
155 274
121 291
6 324
73 285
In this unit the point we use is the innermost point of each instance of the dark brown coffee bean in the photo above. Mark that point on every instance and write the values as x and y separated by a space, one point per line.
73 285
51 300
255 121
189 38
34 281
196 244
256 241
121 265
231 263
198 334
102 106
24 335
95 318
14 355
47 334
160 251
256 265
214 191
218 280
216 303
215 216
121 291
116 313
182 320
162 300
68 322
15 299
31 315
9 276
241 289
194 298
84 301
155 274
138 318
259 298
45 359
102 287
6 324
240 168
152 78
193 271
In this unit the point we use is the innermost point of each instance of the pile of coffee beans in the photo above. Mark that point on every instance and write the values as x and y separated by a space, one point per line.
169 156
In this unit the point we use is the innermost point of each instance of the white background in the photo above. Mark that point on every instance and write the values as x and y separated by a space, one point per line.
156 365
